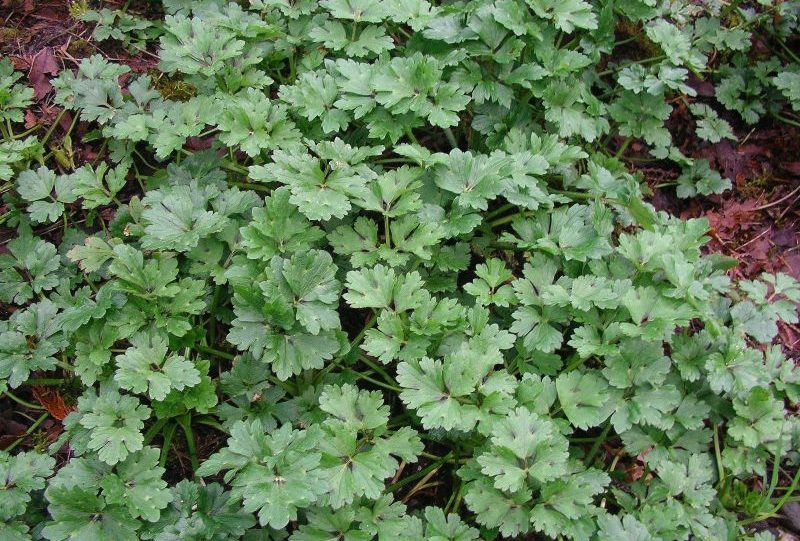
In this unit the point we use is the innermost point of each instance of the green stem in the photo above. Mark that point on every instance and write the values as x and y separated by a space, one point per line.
498 211
718 456
213 424
450 137
505 219
353 344
420 474
186 424
155 429
788 50
375 368
623 147
169 433
53 126
22 402
597 443
410 135
250 186
778 505
387 233
389 161
379 383
66 366
211 351
44 381
28 432
580 196
786 120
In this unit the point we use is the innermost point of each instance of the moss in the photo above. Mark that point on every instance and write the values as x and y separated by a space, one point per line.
80 47
171 87
7 33
78 8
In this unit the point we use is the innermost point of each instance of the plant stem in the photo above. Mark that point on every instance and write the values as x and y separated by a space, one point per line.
786 120
410 135
153 430
379 383
22 402
250 186
217 353
186 424
718 456
44 381
450 137
53 127
597 443
498 211
353 344
778 505
623 147
385 375
169 433
213 424
422 473
28 432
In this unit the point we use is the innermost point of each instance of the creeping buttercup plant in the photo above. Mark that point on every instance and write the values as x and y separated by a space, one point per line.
409 290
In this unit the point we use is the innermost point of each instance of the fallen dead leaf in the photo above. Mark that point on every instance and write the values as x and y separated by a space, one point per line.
44 63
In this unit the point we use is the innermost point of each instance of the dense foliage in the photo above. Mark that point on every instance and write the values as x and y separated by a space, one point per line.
386 255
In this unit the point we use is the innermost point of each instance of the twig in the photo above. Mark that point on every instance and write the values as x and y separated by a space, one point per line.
779 201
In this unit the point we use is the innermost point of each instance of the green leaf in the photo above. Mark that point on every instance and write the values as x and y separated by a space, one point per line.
29 268
788 83
98 187
200 512
525 448
319 191
22 474
566 507
137 484
176 219
193 46
487 287
115 422
710 127
14 98
380 287
29 341
759 418
309 282
439 527
272 474
145 367
394 193
252 122
415 84
625 529
350 469
278 229
475 179
368 11
566 15
77 513
46 193
701 179
585 398
313 96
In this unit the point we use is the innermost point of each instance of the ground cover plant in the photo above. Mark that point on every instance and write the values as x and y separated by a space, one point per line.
386 270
